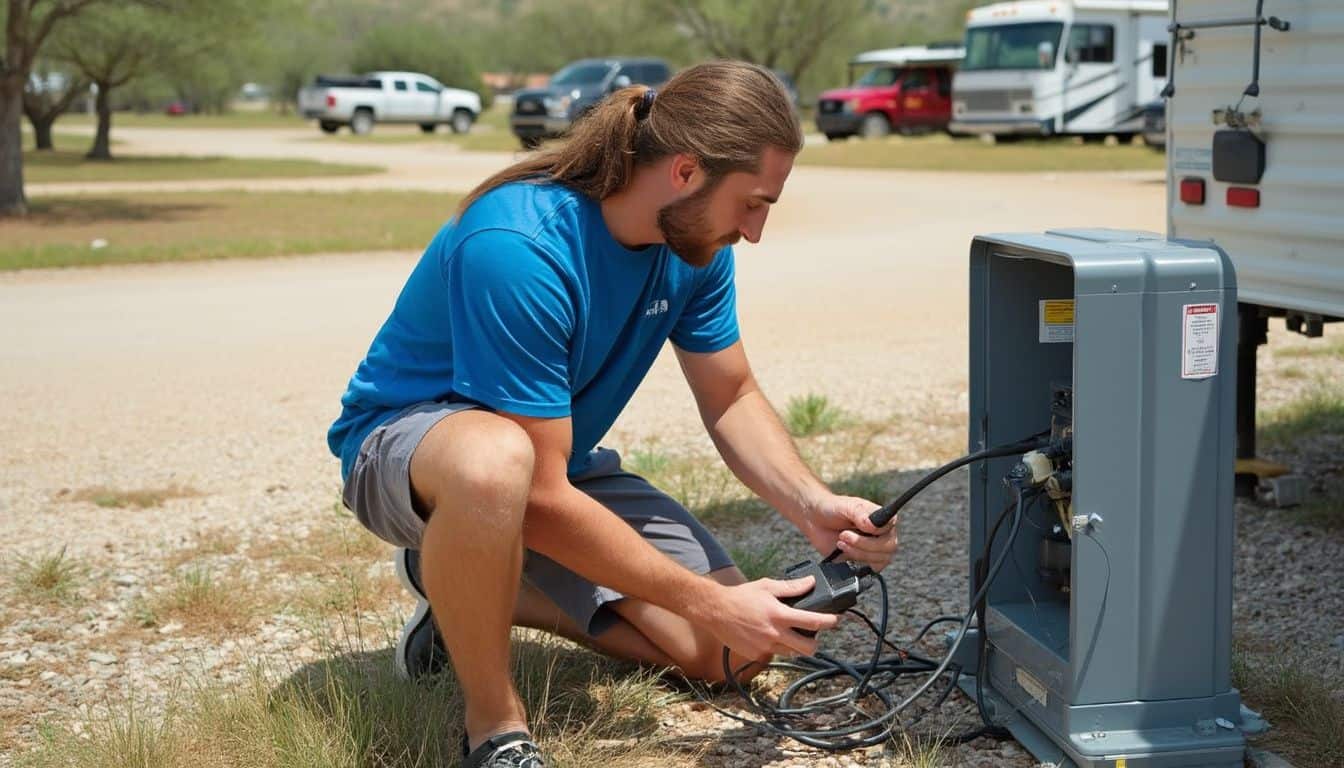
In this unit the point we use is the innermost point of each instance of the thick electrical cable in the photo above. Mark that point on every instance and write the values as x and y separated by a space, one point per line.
874 677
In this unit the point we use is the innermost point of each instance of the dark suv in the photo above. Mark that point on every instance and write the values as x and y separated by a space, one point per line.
543 113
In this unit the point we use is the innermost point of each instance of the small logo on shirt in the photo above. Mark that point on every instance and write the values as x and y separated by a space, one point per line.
656 307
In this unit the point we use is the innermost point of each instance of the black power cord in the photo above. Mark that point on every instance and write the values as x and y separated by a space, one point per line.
872 680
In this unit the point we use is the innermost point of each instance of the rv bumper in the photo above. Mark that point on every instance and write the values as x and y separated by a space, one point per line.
1000 125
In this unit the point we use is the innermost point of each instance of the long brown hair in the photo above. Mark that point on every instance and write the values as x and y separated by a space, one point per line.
723 113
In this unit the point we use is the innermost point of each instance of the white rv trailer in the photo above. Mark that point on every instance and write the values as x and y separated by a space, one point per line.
1262 176
1052 67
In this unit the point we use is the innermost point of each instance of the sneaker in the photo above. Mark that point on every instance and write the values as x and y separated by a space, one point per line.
506 750
420 652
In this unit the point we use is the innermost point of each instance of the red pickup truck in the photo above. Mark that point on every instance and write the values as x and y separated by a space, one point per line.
908 90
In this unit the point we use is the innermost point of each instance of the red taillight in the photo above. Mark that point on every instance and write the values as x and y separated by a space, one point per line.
331 100
1243 197
1192 191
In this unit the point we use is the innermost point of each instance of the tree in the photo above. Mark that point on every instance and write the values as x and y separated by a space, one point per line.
27 25
787 35
112 45
44 101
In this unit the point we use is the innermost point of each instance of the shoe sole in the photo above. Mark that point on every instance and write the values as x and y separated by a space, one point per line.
417 620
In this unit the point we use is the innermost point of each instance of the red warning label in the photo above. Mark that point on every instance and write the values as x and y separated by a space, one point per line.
1199 341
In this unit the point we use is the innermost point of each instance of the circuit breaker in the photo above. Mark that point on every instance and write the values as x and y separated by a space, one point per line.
1108 632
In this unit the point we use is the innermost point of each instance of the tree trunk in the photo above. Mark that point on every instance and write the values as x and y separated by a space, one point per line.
42 130
102 142
12 200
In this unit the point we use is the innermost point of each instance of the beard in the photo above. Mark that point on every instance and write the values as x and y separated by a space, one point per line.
685 227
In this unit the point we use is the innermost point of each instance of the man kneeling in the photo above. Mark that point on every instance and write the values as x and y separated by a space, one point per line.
469 432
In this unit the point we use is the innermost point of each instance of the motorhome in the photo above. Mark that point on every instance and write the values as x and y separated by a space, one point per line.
1060 67
1255 163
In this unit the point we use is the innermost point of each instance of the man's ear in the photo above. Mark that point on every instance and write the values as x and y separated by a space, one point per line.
685 172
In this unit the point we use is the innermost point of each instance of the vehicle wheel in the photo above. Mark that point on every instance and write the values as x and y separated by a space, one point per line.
529 142
875 126
427 127
837 136
461 122
361 123
1094 138
329 126
1124 138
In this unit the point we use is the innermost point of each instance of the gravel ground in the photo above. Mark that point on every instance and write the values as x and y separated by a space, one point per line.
218 380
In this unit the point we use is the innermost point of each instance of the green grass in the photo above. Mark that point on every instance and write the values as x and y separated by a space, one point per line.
233 120
194 226
765 561
1306 721
1320 411
939 152
60 165
812 414
49 577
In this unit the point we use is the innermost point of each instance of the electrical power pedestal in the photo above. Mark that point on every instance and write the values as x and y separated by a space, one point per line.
1109 631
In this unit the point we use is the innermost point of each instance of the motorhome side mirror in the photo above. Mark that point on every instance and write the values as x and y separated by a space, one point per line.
621 81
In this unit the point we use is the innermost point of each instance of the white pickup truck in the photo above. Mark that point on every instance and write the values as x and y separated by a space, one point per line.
387 97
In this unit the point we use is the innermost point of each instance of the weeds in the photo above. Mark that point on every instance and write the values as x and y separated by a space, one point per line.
1308 722
50 577
1320 411
812 414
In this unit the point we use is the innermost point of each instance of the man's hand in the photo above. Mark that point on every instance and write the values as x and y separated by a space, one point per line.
750 619
840 522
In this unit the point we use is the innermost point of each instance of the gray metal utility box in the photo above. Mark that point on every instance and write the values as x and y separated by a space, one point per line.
1109 630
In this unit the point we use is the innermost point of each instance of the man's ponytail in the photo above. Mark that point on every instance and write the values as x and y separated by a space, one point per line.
723 113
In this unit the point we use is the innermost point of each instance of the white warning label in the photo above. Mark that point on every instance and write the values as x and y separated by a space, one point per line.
1199 341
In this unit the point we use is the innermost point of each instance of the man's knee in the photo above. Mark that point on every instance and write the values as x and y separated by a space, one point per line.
474 460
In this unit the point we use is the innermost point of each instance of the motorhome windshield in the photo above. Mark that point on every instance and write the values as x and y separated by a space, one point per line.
1012 46
877 77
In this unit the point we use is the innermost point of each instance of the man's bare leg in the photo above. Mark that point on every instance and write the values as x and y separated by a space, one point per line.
472 473
679 644
621 640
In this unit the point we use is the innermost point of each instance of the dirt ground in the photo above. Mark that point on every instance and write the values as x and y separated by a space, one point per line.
224 376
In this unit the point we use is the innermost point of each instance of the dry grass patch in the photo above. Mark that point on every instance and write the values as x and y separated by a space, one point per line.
1319 411
351 711
50 577
144 498
1306 719
203 604
217 542
195 226
350 590
332 545
939 152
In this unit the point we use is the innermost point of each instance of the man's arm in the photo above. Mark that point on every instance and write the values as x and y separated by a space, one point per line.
758 449
568 526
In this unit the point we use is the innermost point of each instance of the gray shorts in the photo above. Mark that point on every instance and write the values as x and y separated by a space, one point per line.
378 491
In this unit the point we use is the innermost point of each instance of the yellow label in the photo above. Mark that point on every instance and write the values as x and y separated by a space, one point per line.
1059 312
1119 761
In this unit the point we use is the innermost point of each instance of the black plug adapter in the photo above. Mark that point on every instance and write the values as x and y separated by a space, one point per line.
836 590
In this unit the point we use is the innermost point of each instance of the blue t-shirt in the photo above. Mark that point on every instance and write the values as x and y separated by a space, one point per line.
528 305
